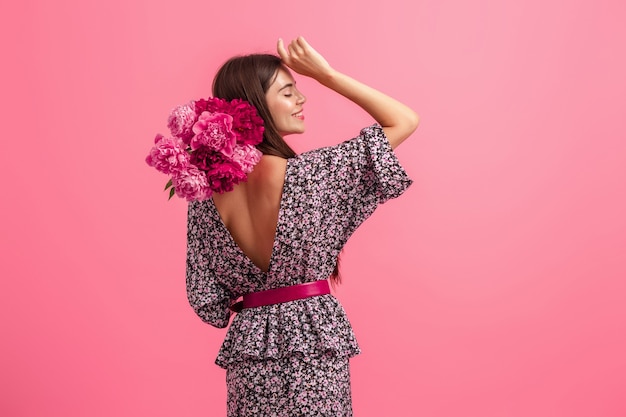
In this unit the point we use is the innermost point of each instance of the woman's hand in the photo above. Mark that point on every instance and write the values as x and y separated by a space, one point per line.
303 59
397 120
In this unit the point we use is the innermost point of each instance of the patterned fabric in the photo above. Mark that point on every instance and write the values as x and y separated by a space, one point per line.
327 194
293 386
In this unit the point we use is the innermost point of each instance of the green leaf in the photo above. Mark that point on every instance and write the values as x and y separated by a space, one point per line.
172 191
168 185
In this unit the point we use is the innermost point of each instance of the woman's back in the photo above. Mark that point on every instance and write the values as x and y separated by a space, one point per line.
250 211
281 231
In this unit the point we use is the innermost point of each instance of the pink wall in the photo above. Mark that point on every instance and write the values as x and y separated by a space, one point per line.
494 287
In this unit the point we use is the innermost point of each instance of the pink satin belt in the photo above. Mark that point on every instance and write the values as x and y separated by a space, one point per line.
282 295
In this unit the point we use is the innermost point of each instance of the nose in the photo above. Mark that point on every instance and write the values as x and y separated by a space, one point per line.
301 98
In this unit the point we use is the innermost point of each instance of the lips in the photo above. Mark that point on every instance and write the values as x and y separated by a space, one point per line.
299 115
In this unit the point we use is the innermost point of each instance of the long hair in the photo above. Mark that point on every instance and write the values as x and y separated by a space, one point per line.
248 77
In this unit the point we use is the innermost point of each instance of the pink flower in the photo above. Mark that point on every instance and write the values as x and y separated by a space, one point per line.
213 105
191 184
204 158
168 155
223 176
181 121
200 105
247 156
247 124
214 131
212 148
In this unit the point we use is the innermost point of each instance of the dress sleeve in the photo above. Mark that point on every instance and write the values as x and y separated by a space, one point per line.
376 172
209 298
357 176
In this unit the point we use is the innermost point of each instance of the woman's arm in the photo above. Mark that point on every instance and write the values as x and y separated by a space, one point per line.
398 120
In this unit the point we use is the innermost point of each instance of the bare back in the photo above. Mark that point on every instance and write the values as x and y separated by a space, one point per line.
250 211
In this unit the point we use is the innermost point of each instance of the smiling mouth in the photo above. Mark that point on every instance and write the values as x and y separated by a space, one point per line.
298 115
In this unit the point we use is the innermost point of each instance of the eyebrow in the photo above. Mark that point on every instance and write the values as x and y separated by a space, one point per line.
286 86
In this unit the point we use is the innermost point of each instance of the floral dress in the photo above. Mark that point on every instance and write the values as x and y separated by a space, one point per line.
291 359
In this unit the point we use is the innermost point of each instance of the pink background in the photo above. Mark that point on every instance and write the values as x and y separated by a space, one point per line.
493 287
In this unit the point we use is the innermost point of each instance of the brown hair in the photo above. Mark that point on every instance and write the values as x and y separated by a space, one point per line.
248 77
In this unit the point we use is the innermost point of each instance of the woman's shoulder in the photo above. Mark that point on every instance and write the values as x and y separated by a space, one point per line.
270 171
265 183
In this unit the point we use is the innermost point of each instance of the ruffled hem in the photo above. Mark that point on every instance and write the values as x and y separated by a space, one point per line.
312 327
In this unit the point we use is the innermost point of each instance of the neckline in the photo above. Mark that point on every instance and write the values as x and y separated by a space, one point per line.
231 239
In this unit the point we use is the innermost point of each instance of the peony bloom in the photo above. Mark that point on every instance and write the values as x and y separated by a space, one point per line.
213 105
191 184
222 177
246 123
205 158
200 105
181 121
168 155
214 131
247 157
212 148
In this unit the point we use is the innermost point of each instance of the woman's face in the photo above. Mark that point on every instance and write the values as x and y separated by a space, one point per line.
285 102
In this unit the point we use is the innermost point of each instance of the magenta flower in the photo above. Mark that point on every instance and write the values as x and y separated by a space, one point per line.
204 158
200 105
214 131
246 123
181 121
212 148
168 155
222 177
213 105
191 184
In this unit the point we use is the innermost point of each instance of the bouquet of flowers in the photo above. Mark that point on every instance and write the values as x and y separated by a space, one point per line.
211 149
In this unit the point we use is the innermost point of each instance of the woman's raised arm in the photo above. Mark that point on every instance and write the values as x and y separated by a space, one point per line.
398 120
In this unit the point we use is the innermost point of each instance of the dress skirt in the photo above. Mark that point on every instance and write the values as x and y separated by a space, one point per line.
294 386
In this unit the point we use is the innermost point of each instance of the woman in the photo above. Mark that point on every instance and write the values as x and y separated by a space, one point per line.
276 238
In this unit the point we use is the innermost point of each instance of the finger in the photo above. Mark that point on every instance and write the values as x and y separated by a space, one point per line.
304 45
280 48
302 42
295 48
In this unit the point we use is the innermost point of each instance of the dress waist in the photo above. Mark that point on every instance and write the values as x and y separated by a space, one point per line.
282 295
